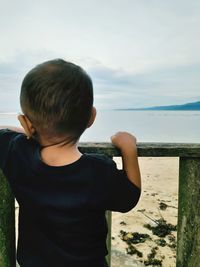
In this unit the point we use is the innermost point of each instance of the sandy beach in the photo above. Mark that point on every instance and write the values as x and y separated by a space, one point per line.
159 200
159 185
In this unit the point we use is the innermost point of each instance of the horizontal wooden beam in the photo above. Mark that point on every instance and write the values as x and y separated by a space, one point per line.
146 149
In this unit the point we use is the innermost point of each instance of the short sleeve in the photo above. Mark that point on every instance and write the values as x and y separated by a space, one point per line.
6 138
123 195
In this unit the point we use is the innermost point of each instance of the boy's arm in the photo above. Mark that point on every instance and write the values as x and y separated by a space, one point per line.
15 129
126 143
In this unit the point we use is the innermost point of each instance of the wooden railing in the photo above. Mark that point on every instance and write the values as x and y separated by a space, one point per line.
188 240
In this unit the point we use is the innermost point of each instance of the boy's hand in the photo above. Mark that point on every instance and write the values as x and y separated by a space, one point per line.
126 142
123 140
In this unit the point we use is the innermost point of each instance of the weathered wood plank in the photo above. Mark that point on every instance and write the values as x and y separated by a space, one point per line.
188 243
7 225
109 236
146 149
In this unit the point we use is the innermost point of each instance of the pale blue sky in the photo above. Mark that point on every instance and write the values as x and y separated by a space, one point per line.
138 53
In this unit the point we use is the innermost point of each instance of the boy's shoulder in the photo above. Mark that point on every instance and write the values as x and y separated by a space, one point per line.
9 137
100 158
9 140
7 134
15 143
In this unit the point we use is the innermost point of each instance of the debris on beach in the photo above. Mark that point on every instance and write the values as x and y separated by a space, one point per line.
142 210
172 241
122 223
162 228
133 238
164 206
131 250
151 258
154 194
161 242
172 238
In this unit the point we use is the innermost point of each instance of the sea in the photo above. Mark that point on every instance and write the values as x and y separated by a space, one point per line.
147 126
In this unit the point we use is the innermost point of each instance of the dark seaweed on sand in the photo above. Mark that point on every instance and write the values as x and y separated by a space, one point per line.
172 241
162 228
133 238
163 206
151 258
133 250
122 223
153 262
161 242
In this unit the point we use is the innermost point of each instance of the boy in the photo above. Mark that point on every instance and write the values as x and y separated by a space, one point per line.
63 194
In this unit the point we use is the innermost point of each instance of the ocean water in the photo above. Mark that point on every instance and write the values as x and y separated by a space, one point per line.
147 126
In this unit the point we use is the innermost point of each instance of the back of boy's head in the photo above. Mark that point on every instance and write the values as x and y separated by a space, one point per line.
57 97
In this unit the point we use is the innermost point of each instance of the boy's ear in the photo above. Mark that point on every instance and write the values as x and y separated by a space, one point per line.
92 117
27 125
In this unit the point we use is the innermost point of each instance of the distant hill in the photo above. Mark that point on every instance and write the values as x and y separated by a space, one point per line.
188 106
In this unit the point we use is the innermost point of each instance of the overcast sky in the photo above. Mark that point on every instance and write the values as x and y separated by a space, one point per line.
138 53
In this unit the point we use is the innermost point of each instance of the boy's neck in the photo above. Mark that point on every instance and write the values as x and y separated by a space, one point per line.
46 141
58 154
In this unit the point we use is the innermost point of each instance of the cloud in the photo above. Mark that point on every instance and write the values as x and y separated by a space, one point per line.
113 87
139 53
146 34
159 87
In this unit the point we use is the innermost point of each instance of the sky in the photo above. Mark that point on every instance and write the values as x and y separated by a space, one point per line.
139 53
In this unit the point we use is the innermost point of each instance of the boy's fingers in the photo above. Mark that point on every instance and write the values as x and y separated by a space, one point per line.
112 137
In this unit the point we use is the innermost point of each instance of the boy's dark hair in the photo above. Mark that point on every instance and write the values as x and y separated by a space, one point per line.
57 97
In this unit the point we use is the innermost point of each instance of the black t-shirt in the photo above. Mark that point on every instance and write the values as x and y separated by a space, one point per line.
62 209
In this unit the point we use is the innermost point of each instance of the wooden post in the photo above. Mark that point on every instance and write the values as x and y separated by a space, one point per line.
109 237
7 225
188 241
